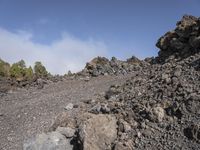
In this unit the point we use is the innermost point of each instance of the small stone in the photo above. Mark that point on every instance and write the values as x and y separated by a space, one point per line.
105 108
139 134
159 113
166 78
69 106
177 73
143 125
139 93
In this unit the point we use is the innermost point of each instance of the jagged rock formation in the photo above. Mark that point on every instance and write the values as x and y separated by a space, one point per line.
158 108
181 42
103 66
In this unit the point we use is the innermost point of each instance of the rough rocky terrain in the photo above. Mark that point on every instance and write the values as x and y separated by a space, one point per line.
26 112
115 105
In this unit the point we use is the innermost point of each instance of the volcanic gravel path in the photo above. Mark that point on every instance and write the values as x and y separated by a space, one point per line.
24 113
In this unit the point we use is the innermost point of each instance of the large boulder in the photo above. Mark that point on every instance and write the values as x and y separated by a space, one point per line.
98 132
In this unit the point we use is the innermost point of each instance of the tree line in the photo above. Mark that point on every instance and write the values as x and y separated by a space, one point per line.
20 71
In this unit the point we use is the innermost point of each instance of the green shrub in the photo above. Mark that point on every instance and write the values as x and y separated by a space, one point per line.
40 70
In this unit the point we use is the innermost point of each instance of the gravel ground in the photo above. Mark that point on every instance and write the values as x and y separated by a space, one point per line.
24 113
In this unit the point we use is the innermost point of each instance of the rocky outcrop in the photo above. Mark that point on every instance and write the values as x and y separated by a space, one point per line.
181 42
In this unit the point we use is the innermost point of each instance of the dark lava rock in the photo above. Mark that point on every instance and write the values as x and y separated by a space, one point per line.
181 42
102 66
193 132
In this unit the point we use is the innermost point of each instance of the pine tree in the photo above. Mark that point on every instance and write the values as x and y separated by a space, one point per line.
40 70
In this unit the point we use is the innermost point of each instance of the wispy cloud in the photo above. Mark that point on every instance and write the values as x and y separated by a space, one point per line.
67 53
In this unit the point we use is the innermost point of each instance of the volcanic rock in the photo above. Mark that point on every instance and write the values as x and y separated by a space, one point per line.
98 132
182 42
102 66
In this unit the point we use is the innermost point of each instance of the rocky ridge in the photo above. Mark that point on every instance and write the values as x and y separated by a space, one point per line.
102 66
158 108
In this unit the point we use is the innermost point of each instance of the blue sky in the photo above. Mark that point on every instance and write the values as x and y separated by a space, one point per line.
71 32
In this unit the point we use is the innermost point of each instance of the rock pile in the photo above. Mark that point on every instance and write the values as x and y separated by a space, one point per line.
158 108
103 66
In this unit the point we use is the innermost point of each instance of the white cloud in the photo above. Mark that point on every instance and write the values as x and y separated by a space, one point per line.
67 53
